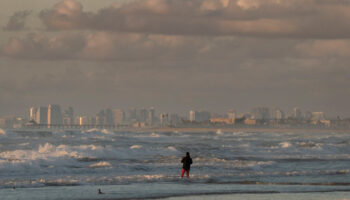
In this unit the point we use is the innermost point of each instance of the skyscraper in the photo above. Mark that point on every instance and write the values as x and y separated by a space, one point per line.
32 113
82 120
109 117
279 114
54 115
276 113
119 116
231 114
142 115
261 113
192 115
68 116
199 116
318 116
164 119
41 115
100 118
132 115
297 113
151 115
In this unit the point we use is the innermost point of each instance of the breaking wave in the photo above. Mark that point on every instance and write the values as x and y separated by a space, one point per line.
105 157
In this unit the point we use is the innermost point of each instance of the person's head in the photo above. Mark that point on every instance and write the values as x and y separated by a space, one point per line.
187 153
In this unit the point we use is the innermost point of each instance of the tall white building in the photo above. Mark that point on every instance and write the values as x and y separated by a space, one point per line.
41 115
151 115
119 116
68 116
297 113
231 114
32 113
164 119
192 115
276 113
82 120
318 116
199 116
279 114
54 115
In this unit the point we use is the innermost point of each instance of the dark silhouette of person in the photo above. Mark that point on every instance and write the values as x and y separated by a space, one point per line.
99 191
186 165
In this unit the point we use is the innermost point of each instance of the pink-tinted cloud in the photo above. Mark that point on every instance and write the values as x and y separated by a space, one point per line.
260 18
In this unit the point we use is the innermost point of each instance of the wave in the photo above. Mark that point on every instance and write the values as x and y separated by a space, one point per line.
64 158
285 144
136 147
104 157
100 164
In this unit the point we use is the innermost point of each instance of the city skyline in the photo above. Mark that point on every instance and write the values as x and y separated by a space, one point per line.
102 99
57 114
295 112
215 54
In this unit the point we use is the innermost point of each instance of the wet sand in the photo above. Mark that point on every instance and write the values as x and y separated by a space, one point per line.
248 129
275 196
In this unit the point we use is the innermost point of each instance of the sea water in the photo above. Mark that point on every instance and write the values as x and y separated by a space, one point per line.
74 164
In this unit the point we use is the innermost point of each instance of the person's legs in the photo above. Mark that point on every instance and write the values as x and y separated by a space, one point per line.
182 173
188 173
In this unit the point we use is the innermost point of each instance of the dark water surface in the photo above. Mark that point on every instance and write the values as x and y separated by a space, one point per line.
74 164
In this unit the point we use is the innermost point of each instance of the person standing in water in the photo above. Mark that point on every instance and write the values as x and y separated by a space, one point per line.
186 165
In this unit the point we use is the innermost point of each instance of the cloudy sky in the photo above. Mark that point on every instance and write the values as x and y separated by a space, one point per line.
175 55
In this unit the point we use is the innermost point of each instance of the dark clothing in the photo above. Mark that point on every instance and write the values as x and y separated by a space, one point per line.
187 161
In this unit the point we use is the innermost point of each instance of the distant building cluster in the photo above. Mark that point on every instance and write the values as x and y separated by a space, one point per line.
264 116
53 115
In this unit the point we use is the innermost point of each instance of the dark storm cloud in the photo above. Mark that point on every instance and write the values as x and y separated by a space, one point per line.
260 18
17 21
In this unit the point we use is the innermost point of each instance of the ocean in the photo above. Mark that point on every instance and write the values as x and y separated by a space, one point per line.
74 164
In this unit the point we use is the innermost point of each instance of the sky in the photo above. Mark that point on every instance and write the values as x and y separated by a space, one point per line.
175 55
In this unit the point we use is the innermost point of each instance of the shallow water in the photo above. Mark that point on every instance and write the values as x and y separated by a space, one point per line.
74 164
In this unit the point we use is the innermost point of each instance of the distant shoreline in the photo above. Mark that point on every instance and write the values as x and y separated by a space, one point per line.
259 130
201 130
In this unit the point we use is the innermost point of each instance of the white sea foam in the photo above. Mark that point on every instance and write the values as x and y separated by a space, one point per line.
171 148
285 144
136 147
100 164
92 130
105 131
155 135
219 132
